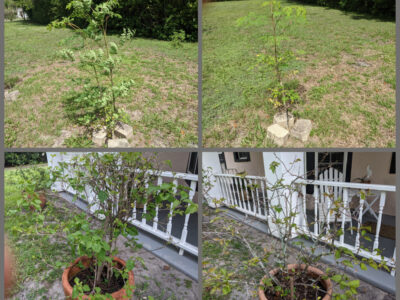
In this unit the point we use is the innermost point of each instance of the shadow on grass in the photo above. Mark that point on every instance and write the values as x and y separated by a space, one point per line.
354 15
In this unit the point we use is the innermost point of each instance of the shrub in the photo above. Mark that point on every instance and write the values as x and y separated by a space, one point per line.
10 14
13 159
154 19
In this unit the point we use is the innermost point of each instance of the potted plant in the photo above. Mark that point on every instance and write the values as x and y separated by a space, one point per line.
292 269
111 184
35 182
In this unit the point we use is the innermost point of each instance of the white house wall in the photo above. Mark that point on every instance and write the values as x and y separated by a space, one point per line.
253 167
380 166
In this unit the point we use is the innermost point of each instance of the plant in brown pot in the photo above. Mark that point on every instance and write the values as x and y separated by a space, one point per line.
290 260
35 183
111 184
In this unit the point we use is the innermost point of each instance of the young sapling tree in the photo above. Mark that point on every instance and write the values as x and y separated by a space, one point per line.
280 21
95 106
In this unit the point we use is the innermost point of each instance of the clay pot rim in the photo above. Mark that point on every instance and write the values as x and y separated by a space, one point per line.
311 270
68 288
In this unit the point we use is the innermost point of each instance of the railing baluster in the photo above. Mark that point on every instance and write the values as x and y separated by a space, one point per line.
345 201
253 199
145 207
246 193
393 272
169 225
241 191
362 200
382 201
266 213
236 184
219 179
258 196
231 192
304 210
316 210
226 191
187 216
155 220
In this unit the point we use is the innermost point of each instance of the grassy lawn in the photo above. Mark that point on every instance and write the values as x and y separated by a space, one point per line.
162 105
34 253
346 78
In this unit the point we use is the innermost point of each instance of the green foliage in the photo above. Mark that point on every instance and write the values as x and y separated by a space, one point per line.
94 106
10 10
155 19
13 159
277 55
79 141
282 221
126 35
118 182
283 98
177 39
380 8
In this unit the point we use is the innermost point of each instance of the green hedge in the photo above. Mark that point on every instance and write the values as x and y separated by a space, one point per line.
380 8
14 159
157 19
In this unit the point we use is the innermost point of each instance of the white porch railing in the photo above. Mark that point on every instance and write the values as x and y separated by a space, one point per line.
249 196
166 233
366 196
156 228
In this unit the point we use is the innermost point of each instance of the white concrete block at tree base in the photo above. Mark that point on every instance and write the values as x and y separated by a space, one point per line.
278 134
284 119
301 130
123 131
11 96
118 143
99 137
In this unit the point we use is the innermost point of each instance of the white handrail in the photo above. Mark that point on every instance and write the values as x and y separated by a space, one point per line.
351 185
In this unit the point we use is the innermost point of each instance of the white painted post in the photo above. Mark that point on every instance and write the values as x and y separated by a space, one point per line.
211 160
345 204
378 225
362 200
187 216
155 220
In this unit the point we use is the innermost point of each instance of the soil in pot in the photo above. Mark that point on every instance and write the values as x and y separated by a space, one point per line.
86 276
305 287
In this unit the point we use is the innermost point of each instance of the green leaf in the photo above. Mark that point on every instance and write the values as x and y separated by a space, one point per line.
113 48
103 196
226 290
354 284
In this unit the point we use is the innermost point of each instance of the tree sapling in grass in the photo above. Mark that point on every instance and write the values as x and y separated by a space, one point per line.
95 105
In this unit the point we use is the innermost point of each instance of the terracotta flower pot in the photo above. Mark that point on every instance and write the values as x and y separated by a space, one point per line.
42 198
312 271
9 269
72 270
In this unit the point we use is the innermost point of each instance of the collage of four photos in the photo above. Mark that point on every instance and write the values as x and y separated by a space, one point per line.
188 149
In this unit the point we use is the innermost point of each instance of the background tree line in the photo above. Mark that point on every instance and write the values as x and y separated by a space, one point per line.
379 8
157 19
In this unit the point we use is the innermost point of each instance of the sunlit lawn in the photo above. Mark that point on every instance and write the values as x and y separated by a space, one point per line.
346 78
162 105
